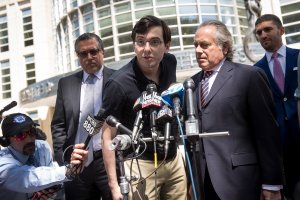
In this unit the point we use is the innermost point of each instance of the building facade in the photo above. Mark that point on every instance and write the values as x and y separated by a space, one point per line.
37 39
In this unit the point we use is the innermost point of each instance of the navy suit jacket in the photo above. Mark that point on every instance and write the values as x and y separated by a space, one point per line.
240 101
65 120
286 104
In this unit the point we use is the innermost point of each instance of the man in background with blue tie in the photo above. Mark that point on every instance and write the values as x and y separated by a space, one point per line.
79 95
280 65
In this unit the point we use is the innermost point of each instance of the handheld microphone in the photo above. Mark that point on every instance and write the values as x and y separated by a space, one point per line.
137 107
151 102
174 96
191 124
165 116
8 107
93 125
113 122
120 142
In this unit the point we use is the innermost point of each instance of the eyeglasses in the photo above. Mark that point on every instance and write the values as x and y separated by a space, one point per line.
84 54
153 42
24 133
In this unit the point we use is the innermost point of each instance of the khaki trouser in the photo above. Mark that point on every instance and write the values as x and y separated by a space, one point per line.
171 181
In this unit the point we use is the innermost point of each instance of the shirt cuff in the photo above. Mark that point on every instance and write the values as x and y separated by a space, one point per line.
272 187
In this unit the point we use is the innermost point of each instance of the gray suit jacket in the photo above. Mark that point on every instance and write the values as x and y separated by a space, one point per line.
240 102
66 115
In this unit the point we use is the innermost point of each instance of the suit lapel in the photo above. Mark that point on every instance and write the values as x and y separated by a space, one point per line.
224 74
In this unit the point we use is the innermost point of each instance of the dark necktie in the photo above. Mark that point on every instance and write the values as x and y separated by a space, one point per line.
204 87
278 72
31 161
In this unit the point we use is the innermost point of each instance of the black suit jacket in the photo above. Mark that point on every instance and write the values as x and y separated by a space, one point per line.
240 102
65 120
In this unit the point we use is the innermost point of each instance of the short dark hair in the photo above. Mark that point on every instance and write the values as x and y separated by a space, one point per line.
149 21
269 17
89 36
223 36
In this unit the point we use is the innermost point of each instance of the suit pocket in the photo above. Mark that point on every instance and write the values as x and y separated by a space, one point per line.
243 159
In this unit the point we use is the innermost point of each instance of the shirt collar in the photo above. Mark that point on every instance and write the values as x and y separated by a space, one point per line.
98 74
281 52
18 156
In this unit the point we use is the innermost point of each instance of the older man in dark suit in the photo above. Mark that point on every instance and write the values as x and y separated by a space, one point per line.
236 98
280 65
78 95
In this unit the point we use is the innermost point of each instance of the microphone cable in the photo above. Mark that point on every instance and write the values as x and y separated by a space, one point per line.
187 157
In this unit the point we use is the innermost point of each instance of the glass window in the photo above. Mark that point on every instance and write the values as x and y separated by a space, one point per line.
73 3
165 2
106 32
188 9
30 66
166 11
240 3
6 95
104 12
209 17
290 8
227 10
242 12
228 20
126 49
188 40
4 41
175 42
5 71
105 22
5 79
186 1
293 39
142 13
142 3
26 12
30 74
3 18
6 87
124 28
124 7
123 18
193 19
228 2
171 21
108 42
232 30
125 38
109 52
28 35
27 27
208 1
27 19
208 9
243 21
100 3
4 48
174 30
3 26
189 30
291 18
292 29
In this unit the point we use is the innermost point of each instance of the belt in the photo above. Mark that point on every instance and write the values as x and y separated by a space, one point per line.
97 154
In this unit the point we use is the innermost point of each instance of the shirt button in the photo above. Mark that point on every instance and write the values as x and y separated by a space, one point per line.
284 99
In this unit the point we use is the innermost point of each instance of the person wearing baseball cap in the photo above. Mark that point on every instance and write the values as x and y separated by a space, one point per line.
27 170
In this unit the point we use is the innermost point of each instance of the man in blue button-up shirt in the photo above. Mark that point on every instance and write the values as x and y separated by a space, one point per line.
27 170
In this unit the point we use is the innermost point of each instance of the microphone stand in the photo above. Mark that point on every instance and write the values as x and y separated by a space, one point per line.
124 185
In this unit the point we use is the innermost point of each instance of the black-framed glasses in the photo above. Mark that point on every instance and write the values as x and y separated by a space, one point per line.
153 42
24 133
84 54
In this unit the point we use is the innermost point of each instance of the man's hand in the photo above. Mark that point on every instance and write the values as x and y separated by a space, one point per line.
77 159
270 195
116 193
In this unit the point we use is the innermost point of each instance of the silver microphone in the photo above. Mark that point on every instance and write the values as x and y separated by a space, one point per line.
120 142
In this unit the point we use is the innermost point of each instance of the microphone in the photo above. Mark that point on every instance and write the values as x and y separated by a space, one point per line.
113 122
8 107
137 107
174 97
191 124
93 125
165 116
120 142
152 101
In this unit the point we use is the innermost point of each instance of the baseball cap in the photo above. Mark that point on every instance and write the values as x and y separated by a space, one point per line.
14 123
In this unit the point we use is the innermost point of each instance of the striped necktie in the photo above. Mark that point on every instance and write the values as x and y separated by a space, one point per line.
278 72
204 87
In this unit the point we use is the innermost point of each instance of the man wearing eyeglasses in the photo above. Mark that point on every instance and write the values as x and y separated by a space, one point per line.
79 95
27 170
152 64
